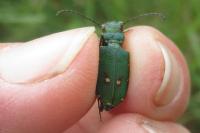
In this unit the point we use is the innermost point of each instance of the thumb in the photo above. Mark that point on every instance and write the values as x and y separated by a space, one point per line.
48 84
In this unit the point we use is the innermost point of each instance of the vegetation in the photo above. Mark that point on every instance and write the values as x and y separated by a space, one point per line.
182 25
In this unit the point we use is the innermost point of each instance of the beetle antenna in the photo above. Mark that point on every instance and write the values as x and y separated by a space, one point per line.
79 14
160 15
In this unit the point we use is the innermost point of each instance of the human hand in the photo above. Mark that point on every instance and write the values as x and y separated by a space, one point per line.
48 85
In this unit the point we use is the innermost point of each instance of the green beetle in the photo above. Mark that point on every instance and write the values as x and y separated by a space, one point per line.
113 73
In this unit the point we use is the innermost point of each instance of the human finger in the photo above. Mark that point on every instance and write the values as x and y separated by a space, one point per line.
133 123
159 83
49 83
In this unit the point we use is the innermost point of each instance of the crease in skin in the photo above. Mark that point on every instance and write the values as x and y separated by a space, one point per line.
148 128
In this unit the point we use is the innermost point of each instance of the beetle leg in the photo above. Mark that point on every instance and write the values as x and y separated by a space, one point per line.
102 42
100 107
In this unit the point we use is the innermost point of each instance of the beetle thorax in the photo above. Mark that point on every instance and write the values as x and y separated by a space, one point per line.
113 33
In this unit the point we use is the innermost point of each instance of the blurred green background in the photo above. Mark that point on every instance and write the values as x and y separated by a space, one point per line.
22 20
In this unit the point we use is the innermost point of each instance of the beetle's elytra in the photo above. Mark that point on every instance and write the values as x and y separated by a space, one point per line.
113 73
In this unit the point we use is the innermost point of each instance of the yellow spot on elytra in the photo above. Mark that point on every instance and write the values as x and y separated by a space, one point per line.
118 82
107 80
122 99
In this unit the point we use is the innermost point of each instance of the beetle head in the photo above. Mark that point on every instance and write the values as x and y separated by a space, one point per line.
113 26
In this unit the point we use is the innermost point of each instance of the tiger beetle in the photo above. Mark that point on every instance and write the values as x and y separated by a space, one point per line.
113 73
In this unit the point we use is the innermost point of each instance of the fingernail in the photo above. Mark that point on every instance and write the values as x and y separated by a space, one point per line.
171 81
149 128
42 58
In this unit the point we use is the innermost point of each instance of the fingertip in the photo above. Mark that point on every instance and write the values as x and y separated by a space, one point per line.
159 80
42 58
53 104
126 123
122 123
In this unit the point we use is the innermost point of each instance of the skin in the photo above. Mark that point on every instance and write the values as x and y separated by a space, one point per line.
57 106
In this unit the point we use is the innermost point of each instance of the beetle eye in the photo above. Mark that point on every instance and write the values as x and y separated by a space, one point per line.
103 27
121 28
121 23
